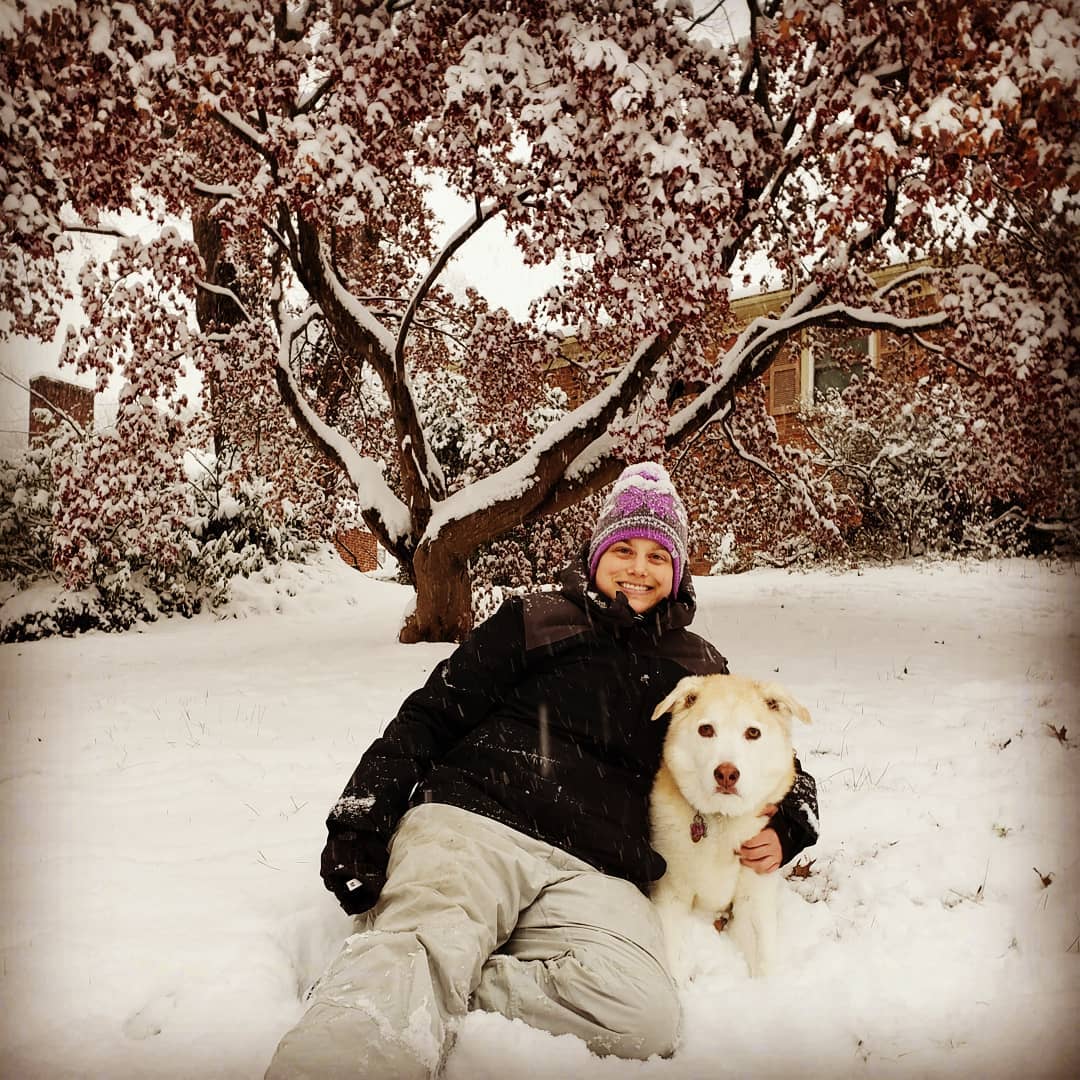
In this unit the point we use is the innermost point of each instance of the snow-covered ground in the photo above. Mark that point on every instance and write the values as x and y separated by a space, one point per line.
163 796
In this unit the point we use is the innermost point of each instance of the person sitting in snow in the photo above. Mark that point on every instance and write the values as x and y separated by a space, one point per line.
495 839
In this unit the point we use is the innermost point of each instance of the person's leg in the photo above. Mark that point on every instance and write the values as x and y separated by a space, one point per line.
587 958
386 1006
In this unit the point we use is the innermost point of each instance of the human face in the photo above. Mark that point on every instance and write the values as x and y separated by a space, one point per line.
639 568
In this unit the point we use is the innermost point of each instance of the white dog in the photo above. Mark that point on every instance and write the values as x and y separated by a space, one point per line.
727 756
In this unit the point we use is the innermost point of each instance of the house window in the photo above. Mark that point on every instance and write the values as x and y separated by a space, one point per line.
784 383
837 362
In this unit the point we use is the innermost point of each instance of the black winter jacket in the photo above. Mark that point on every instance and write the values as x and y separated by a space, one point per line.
540 719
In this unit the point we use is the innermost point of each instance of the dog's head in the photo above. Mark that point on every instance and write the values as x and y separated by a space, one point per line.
729 743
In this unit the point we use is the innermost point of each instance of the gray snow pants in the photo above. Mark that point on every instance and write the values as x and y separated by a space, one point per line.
475 915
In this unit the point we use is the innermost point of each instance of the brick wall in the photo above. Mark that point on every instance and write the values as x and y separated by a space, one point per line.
76 401
790 429
358 548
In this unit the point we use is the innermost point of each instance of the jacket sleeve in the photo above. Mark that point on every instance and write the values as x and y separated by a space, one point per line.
458 694
796 819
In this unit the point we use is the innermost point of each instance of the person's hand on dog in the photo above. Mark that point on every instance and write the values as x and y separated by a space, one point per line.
762 852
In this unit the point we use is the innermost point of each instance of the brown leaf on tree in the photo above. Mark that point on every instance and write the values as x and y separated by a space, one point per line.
305 142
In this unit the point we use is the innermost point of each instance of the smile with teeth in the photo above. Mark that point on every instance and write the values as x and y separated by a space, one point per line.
630 586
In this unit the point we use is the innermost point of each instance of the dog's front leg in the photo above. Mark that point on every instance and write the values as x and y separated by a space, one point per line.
674 914
754 919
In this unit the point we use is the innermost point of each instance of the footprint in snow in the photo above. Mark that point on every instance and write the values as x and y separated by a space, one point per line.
151 1018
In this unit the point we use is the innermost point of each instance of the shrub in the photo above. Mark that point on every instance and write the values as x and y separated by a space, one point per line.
929 472
78 566
27 492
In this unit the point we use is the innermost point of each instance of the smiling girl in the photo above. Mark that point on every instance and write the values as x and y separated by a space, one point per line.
494 842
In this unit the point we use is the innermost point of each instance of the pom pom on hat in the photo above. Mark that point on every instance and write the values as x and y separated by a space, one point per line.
642 504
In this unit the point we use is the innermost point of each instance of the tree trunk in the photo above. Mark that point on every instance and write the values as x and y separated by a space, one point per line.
443 597
214 311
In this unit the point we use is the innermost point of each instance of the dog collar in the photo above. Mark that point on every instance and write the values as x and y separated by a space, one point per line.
698 828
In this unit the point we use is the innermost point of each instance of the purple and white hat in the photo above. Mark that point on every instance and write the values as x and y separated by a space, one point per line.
644 505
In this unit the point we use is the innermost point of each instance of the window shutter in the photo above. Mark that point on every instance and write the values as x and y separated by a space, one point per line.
784 383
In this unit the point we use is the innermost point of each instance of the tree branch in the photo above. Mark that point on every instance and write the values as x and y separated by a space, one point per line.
705 16
756 347
244 131
93 230
359 335
383 512
570 459
308 104
223 290
483 214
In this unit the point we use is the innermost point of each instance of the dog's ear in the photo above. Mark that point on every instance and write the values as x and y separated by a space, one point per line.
683 696
777 699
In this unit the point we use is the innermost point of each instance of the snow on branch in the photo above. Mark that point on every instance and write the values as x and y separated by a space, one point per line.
915 274
373 494
868 319
763 337
358 311
239 126
934 347
94 230
222 290
216 191
311 100
561 457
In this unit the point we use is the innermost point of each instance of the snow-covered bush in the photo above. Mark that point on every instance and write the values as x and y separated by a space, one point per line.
120 500
170 547
45 609
928 471
237 527
26 502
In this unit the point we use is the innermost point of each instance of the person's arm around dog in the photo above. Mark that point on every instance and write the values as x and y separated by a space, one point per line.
793 827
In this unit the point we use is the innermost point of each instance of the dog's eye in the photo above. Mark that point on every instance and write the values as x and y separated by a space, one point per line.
752 733
689 700
706 731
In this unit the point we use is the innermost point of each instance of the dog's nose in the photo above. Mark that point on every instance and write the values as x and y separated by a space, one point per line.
727 776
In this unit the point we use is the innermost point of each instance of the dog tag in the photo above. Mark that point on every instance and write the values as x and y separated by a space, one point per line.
697 828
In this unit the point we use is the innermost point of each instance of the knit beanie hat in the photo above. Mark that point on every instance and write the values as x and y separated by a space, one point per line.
644 505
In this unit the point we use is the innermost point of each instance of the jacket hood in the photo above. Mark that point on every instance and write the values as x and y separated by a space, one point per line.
672 613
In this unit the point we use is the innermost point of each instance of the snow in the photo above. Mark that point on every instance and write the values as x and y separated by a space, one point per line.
164 792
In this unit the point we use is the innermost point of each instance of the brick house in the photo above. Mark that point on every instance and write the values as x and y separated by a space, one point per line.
810 366
58 399
805 368
358 548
